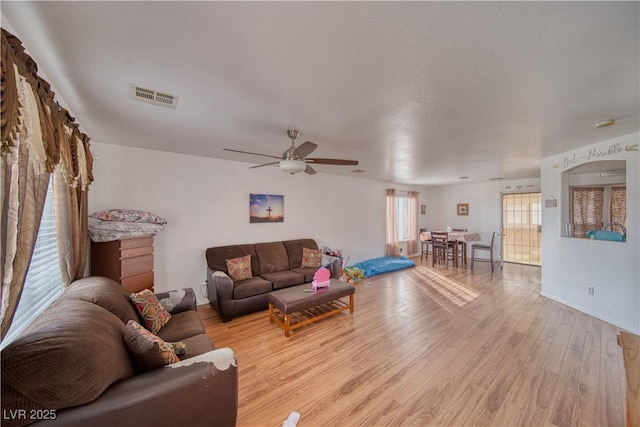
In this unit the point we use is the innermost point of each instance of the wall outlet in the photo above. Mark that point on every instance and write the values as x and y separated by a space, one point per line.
591 290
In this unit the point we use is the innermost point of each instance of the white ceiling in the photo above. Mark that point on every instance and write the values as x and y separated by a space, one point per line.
418 92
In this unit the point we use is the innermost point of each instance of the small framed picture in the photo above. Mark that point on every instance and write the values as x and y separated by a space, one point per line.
463 208
423 209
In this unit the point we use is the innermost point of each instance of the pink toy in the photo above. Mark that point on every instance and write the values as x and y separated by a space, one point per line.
321 278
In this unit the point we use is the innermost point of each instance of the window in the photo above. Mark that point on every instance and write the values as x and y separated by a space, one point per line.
43 283
402 214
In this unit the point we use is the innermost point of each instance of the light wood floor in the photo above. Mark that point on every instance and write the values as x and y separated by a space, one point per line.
443 346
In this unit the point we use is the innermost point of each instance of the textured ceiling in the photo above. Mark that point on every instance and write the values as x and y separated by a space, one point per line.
418 92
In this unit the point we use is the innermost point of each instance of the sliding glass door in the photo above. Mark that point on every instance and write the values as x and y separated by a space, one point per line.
522 228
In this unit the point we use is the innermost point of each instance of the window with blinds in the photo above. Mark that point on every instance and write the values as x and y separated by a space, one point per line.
402 217
43 284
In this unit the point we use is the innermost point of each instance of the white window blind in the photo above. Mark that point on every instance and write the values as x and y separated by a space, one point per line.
43 284
402 217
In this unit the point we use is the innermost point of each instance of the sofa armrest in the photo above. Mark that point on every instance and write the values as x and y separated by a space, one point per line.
220 293
178 301
202 390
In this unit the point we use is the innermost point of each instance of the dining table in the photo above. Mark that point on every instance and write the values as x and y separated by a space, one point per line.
457 237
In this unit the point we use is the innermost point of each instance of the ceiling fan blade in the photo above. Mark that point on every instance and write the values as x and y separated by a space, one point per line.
309 170
255 154
321 161
266 164
305 149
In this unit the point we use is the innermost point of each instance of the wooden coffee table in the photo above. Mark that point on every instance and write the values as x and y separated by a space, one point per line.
294 307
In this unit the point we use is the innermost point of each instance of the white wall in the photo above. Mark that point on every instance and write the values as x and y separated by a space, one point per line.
570 265
485 206
206 203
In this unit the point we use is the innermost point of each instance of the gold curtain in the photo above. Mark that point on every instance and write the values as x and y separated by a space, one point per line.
586 211
618 208
33 146
392 247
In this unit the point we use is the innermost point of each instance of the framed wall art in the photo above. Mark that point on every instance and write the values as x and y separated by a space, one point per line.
463 208
265 208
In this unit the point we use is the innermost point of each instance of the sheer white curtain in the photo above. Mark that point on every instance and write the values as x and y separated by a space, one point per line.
412 244
392 245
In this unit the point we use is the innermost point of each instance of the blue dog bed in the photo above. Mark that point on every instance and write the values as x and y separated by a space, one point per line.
384 264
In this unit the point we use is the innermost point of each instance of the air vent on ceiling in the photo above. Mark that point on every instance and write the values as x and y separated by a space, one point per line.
153 97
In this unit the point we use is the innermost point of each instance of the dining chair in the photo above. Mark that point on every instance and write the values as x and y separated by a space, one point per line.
425 246
462 246
483 247
440 247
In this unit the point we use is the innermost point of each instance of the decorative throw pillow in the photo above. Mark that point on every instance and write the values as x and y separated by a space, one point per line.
128 215
153 313
311 258
239 268
180 347
149 351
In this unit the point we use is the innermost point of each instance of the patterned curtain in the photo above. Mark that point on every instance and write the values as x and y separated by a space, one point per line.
586 210
412 245
392 247
618 209
32 147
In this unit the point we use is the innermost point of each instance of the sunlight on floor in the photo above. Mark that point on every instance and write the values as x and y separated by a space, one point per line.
446 292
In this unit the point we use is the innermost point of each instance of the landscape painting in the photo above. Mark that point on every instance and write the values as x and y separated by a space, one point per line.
266 208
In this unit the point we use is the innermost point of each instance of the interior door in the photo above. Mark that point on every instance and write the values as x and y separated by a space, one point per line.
522 228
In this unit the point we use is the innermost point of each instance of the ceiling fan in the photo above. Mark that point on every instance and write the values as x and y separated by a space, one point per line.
295 159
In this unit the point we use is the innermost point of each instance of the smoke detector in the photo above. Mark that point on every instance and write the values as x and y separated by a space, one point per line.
150 96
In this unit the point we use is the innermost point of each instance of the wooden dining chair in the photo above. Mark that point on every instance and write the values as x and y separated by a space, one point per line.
425 246
483 247
441 247
462 246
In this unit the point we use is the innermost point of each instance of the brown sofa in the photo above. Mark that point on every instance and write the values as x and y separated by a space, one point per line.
71 366
274 265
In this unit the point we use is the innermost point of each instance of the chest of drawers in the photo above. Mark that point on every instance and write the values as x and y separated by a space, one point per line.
127 261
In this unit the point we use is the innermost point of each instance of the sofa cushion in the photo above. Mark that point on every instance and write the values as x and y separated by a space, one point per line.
105 293
150 351
311 258
294 250
182 325
284 279
67 357
250 287
239 268
307 272
272 257
217 257
154 315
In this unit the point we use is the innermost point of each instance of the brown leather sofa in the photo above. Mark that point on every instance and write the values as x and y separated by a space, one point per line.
71 366
274 265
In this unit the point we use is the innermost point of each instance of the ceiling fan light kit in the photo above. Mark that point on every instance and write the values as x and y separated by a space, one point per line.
292 166
295 159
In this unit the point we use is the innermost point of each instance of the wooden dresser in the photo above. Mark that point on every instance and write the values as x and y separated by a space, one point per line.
127 261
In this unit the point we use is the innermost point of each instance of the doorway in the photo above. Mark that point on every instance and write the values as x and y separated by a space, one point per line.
522 228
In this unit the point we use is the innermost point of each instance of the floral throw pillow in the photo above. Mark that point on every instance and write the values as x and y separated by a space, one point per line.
149 351
153 313
311 257
239 268
128 215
